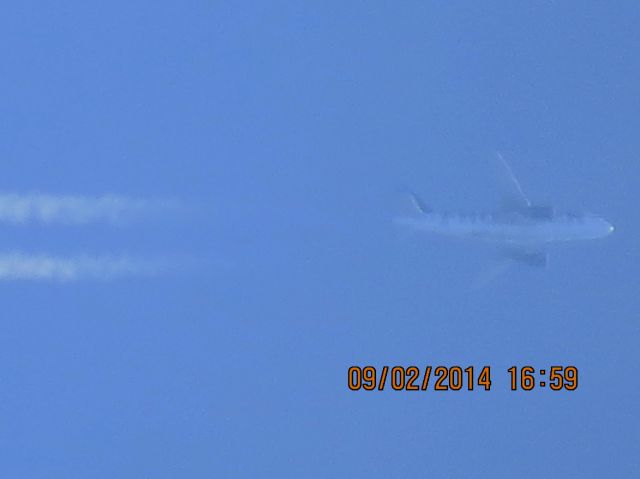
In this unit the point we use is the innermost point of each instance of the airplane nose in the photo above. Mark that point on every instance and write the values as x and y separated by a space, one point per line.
605 227
608 227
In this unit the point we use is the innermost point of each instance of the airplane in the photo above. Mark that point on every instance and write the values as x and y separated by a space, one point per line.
522 230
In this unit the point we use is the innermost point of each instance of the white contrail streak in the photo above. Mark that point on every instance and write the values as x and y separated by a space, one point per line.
72 209
19 266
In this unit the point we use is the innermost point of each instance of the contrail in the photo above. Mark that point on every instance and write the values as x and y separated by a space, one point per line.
73 209
20 266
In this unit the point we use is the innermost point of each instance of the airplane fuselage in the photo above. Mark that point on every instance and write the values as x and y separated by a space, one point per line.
511 228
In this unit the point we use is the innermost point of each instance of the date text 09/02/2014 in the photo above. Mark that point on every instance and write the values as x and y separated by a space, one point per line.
456 378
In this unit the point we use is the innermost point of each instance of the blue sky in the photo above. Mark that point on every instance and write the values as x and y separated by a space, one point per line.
288 127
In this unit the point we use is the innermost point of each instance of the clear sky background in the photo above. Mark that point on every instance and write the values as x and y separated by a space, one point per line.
288 127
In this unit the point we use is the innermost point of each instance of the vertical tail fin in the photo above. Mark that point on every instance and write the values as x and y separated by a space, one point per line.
418 204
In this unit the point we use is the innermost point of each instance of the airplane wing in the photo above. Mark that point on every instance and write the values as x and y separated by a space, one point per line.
531 257
513 197
506 259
